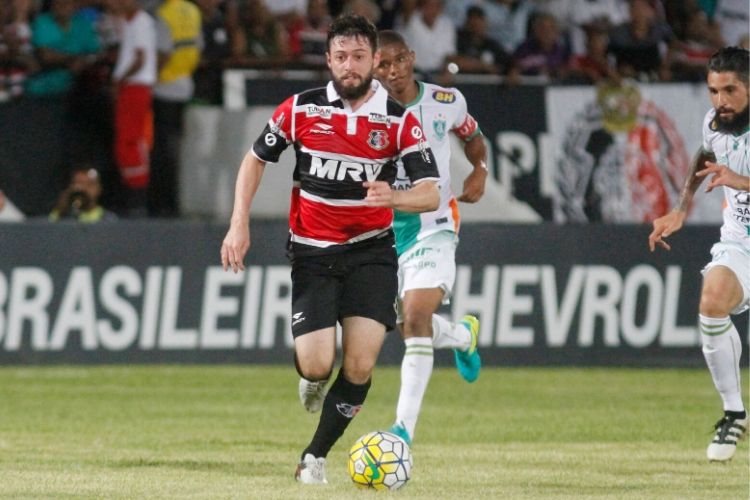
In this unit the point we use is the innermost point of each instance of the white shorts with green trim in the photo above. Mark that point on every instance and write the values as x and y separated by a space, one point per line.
430 263
735 257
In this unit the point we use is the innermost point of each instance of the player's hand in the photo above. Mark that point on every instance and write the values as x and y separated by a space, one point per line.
474 186
235 246
379 194
722 176
665 226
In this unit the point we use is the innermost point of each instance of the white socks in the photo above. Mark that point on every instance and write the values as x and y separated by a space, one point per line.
722 348
449 335
416 368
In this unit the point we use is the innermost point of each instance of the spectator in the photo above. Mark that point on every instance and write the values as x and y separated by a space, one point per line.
260 40
132 79
307 38
16 54
733 18
389 10
593 66
365 8
640 46
65 44
575 17
692 52
477 52
179 44
217 29
456 10
287 12
508 22
431 35
80 199
543 53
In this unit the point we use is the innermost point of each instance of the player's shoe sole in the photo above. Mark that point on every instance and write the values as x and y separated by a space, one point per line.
468 362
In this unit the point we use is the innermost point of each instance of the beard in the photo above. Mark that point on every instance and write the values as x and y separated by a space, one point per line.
736 124
355 92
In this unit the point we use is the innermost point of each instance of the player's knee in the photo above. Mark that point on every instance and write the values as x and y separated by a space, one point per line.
357 371
417 323
313 369
714 302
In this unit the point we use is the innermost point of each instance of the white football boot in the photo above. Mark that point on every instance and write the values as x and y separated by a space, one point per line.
311 470
312 394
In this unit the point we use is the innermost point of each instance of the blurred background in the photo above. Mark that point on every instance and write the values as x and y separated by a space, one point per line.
591 110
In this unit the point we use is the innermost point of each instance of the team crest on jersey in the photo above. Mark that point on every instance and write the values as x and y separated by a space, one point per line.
444 96
378 139
439 126
321 111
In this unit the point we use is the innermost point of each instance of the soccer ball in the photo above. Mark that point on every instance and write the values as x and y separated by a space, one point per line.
380 460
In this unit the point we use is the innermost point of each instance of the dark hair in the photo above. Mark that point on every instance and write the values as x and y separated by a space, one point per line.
475 11
731 59
352 25
390 37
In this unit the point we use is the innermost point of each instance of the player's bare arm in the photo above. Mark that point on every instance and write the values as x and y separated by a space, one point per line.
476 152
422 197
721 175
237 241
673 221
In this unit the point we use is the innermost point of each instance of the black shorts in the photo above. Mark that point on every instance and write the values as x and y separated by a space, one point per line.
359 281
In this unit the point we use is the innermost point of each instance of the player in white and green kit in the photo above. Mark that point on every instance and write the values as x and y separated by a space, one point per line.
426 243
726 279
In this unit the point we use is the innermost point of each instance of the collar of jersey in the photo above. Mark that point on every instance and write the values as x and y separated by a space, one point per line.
375 104
420 92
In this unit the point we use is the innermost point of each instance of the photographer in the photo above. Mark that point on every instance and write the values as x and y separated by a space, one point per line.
80 200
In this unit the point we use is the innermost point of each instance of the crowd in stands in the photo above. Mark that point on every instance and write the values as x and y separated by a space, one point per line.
96 53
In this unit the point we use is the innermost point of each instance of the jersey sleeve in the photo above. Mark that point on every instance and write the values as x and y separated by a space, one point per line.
465 126
707 131
277 134
416 154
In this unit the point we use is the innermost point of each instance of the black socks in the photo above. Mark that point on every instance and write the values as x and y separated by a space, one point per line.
342 403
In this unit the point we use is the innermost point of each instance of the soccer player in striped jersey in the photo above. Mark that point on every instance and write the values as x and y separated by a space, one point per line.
426 242
347 137
723 158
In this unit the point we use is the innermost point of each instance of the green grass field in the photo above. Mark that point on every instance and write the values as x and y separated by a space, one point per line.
236 432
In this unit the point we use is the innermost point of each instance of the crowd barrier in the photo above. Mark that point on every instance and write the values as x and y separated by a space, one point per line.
152 292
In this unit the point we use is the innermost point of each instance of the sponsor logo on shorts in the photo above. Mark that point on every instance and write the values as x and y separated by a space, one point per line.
298 318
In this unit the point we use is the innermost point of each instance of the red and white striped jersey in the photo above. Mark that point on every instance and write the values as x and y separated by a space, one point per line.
338 149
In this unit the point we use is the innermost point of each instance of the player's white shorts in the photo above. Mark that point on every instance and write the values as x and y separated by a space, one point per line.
430 263
736 258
